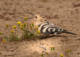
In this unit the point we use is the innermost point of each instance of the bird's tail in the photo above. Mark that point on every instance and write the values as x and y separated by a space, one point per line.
65 31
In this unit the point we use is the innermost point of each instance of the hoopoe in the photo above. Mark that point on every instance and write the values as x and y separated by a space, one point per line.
46 27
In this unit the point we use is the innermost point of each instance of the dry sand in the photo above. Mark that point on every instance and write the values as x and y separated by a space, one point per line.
64 13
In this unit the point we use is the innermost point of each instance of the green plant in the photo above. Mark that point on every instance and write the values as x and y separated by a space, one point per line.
68 51
13 37
26 29
52 48
61 55
42 55
27 34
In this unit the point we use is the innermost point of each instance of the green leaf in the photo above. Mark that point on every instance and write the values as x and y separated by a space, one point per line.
52 48
32 25
42 55
1 33
69 50
25 18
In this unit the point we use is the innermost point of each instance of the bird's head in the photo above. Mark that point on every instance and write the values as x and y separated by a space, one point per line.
39 18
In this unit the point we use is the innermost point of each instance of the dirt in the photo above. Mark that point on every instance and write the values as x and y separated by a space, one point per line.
64 13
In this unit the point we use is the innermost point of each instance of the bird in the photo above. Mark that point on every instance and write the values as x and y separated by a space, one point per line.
45 27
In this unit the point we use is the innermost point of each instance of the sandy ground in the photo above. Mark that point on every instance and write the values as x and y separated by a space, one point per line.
64 13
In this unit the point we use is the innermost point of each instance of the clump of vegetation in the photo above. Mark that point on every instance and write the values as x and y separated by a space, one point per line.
26 30
44 53
52 48
68 51
61 55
